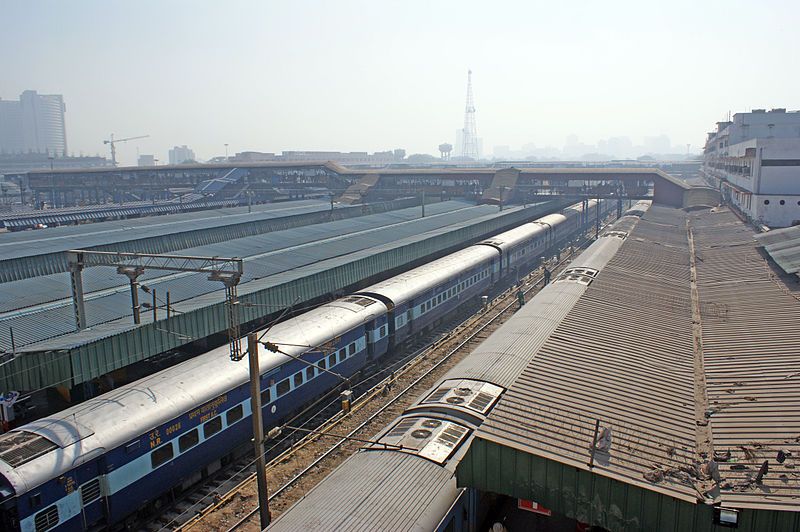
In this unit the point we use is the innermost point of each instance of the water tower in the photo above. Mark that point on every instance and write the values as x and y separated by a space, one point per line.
445 150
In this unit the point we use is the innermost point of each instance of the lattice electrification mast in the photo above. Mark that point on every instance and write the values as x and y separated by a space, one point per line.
469 135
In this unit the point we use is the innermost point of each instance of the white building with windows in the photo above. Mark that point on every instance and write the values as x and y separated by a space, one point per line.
755 161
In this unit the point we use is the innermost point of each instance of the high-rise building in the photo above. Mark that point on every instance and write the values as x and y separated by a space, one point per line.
33 124
181 154
146 160
11 137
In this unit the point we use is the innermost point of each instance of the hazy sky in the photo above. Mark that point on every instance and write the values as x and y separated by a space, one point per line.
373 75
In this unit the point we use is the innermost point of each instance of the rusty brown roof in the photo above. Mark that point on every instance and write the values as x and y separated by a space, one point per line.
678 370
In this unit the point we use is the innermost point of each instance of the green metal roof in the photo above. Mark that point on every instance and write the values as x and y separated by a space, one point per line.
84 355
596 499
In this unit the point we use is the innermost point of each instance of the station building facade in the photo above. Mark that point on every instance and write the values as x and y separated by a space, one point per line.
754 160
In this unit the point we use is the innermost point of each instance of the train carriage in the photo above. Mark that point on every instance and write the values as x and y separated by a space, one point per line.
418 298
101 461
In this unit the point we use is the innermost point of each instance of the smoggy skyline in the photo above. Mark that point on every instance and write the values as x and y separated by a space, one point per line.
369 76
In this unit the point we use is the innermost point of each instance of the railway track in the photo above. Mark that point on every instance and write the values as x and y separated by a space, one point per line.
299 459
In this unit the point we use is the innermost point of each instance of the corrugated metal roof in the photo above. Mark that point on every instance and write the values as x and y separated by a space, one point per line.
100 349
617 357
783 245
36 253
503 358
41 308
28 243
751 348
625 355
341 501
99 212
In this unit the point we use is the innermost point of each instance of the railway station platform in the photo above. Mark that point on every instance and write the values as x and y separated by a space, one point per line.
35 253
295 267
666 399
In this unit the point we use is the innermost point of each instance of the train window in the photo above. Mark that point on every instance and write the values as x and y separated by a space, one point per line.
46 519
282 388
321 363
234 414
351 349
298 379
342 354
309 373
90 492
384 330
35 500
266 396
132 447
161 455
212 427
188 440
332 360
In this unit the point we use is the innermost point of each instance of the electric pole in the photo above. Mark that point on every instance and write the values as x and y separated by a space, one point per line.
258 430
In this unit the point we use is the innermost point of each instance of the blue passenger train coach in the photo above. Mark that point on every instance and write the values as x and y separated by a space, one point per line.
100 462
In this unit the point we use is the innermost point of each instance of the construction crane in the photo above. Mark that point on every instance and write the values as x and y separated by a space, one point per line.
112 141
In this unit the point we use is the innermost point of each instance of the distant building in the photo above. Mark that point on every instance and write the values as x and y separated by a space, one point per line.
33 124
181 154
349 158
755 161
12 140
146 160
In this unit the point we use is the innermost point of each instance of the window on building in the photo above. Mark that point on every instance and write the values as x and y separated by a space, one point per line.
212 427
234 414
188 440
161 455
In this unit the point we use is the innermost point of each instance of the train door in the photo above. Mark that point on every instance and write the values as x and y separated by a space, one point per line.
371 330
93 504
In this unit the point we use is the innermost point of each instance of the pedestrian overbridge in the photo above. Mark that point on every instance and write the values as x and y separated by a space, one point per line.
653 183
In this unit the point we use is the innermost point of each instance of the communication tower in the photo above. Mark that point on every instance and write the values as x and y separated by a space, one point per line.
469 135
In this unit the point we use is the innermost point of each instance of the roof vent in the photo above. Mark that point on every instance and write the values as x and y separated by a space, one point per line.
434 439
617 234
479 396
17 448
583 276
359 300
578 270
